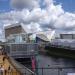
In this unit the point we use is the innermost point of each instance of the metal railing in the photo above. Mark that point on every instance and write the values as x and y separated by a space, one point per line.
44 71
56 71
21 50
15 69
12 72
57 45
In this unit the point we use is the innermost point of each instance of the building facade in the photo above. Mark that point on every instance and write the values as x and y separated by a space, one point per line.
67 36
16 33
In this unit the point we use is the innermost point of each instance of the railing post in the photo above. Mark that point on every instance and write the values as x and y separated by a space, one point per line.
25 72
36 64
58 71
42 70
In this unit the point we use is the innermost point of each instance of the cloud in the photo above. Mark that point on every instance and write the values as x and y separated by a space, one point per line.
34 27
20 4
38 18
66 21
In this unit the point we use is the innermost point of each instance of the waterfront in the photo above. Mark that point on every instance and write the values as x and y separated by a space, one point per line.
55 65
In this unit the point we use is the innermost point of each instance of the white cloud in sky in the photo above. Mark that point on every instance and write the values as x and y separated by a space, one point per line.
20 4
37 18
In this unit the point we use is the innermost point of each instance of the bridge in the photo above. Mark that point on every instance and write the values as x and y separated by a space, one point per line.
63 43
61 48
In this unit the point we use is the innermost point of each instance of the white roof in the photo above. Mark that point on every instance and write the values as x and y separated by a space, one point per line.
11 25
43 37
26 29
46 35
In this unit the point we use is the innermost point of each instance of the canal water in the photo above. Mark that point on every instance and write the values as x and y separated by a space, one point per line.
51 65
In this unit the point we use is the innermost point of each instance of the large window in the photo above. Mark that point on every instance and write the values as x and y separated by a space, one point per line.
17 38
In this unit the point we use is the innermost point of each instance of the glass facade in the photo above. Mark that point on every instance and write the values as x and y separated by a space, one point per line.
17 38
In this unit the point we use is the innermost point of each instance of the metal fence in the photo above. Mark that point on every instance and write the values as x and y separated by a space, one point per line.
21 50
44 71
12 72
56 71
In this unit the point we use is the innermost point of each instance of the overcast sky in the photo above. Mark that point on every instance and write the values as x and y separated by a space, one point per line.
39 14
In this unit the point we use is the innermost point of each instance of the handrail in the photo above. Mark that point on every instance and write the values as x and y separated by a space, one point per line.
61 46
20 66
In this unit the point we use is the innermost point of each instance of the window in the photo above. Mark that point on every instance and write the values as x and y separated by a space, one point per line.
23 38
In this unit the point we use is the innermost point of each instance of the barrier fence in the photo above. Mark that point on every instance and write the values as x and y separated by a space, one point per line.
44 71
12 72
21 50
56 71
